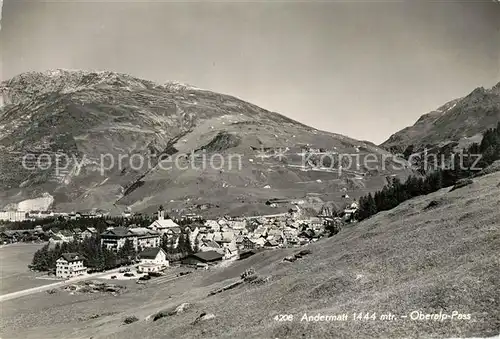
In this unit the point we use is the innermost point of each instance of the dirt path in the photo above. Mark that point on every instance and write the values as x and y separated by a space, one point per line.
29 291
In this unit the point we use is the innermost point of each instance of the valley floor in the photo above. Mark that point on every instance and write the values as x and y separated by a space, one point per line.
414 258
14 272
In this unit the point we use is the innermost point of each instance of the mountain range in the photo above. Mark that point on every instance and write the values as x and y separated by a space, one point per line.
86 140
83 140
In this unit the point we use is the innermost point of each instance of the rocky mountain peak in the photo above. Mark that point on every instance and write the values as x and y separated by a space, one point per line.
496 87
460 118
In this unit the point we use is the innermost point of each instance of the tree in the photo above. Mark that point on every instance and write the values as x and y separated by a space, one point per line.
189 247
164 243
196 247
41 259
127 252
181 247
372 207
367 207
171 245
110 259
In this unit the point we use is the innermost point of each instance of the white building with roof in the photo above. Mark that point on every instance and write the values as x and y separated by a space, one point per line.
70 265
13 216
161 224
140 237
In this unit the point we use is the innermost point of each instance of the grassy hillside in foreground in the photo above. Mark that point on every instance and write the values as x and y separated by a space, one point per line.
419 256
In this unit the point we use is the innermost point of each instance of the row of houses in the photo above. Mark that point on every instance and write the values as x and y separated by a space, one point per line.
152 259
13 216
53 236
13 236
70 265
17 216
216 240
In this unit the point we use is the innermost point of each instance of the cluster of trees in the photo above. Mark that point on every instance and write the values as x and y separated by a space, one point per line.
179 248
397 192
489 147
99 258
96 256
28 224
463 167
66 224
100 224
189 221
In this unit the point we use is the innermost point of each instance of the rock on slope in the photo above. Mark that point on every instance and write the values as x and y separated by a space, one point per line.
460 118
85 119
411 258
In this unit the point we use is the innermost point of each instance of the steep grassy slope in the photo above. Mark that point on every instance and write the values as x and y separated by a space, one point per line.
88 118
457 119
435 259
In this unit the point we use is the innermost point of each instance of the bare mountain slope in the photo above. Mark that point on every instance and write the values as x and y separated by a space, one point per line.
430 258
101 124
460 118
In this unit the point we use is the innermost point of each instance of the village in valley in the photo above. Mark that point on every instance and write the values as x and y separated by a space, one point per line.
146 248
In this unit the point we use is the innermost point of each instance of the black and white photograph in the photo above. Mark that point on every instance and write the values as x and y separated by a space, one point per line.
249 169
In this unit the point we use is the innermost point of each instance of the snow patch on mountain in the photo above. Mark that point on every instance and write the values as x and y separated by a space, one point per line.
179 86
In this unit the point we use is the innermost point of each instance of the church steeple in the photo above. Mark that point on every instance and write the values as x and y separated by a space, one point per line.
161 213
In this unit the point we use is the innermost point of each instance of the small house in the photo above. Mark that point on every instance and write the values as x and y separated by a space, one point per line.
209 257
88 232
248 244
152 259
271 244
207 245
246 254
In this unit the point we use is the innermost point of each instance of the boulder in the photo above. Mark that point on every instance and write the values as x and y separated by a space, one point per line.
305 252
432 204
207 316
204 316
462 183
182 307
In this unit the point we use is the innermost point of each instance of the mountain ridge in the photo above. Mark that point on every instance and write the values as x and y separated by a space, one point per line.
458 119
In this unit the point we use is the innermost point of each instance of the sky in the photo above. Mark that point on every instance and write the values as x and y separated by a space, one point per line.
362 69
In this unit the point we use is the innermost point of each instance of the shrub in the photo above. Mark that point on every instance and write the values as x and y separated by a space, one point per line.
160 315
256 280
251 277
130 320
248 273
